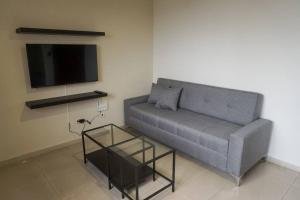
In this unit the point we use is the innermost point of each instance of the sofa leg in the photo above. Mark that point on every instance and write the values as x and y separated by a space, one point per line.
238 180
264 159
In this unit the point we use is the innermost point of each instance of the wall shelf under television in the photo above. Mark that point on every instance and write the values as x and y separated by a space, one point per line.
27 30
64 99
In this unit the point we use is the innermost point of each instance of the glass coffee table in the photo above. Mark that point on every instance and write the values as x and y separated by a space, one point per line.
128 160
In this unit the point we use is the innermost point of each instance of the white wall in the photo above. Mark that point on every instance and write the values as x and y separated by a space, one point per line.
124 59
244 44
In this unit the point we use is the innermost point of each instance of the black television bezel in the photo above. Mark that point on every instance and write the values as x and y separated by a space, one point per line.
63 83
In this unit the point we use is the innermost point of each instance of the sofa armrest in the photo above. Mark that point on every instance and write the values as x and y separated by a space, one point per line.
247 146
132 101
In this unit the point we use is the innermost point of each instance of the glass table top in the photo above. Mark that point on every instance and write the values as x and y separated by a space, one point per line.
140 150
108 135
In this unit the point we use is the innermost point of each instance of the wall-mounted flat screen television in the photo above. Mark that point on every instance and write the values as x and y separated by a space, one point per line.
57 64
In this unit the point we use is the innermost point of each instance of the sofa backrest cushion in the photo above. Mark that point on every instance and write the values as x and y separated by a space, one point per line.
236 106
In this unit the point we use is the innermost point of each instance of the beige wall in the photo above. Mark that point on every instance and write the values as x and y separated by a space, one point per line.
125 66
243 44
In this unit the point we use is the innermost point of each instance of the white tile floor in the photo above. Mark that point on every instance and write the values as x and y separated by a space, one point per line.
62 175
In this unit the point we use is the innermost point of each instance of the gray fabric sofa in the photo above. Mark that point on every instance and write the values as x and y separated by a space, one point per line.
218 126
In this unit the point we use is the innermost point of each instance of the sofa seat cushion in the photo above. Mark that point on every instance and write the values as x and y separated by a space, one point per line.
206 131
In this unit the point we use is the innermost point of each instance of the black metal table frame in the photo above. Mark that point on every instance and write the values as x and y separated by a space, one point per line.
109 151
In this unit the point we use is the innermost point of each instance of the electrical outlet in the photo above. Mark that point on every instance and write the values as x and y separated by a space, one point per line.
102 105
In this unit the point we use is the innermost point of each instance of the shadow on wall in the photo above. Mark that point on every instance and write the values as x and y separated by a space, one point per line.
31 114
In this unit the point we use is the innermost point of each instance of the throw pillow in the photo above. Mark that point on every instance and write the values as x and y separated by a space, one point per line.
156 91
169 99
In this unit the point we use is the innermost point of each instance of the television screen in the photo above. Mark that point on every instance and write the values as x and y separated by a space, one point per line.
57 64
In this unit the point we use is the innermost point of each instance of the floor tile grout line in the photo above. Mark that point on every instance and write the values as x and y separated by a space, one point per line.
215 194
47 180
290 187
298 176
286 192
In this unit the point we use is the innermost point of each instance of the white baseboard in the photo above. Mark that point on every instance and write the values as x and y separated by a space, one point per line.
37 153
23 157
283 164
